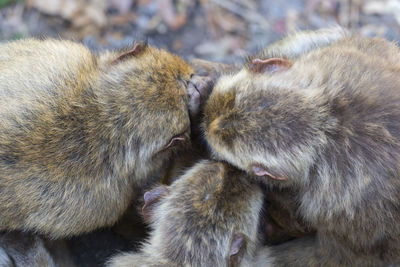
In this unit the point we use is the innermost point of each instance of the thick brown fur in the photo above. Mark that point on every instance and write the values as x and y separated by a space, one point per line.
206 213
329 127
80 132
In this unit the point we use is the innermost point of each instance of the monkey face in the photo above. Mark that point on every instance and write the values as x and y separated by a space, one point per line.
151 104
263 127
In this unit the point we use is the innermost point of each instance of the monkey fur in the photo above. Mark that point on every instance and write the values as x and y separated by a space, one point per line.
281 219
327 126
81 132
207 217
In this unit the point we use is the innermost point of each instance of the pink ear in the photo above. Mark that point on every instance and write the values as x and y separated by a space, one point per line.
270 65
136 50
259 171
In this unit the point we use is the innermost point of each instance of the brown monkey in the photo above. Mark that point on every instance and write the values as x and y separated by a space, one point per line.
325 125
80 132
207 217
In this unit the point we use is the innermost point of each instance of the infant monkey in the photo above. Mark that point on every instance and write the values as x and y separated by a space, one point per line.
80 132
208 217
325 124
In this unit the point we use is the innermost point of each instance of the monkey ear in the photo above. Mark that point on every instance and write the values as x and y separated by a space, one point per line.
137 49
270 65
238 248
150 199
260 171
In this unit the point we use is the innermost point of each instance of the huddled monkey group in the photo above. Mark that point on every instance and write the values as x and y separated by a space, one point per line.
291 160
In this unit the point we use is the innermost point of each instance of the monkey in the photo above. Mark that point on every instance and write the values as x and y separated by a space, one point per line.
281 222
324 125
80 132
207 217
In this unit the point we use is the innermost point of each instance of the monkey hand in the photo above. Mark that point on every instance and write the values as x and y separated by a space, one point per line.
199 88
202 83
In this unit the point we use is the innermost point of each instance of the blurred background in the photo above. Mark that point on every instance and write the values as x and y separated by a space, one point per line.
220 30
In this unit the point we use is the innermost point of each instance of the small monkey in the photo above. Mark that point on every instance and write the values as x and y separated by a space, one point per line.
325 125
207 217
81 132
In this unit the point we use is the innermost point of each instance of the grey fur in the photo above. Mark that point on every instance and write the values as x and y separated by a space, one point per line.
197 221
329 125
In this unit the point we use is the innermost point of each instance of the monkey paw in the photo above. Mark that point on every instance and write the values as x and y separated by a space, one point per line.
199 88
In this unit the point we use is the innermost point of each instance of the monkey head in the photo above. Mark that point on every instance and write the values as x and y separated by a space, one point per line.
263 121
149 105
207 217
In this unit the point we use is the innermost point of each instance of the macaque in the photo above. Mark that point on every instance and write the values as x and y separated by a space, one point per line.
207 217
324 124
81 133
